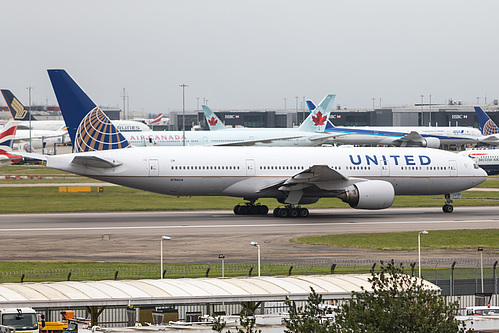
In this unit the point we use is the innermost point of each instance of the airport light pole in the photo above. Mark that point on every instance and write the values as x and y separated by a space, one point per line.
29 109
221 256
424 232
183 112
258 246
480 249
162 239
421 121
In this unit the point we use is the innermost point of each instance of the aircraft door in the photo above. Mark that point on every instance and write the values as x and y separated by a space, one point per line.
385 167
452 168
205 141
250 167
153 168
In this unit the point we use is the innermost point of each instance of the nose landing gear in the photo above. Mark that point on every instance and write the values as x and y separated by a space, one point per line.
448 208
290 211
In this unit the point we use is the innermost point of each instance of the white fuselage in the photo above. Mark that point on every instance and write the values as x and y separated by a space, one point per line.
54 125
487 159
251 172
387 135
269 137
39 138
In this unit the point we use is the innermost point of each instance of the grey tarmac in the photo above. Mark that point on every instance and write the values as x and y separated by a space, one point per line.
200 236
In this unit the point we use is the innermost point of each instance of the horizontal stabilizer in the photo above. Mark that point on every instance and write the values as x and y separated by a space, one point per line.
95 161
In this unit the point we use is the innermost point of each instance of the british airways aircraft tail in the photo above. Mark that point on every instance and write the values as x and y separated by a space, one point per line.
214 123
8 134
89 128
16 108
487 125
316 121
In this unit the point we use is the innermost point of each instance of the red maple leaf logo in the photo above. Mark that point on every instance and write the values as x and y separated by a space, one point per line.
212 121
319 120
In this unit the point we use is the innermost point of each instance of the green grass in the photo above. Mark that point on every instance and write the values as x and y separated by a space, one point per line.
407 241
117 198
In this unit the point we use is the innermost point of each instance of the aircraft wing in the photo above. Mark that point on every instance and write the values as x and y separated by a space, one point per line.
95 161
492 139
253 142
321 176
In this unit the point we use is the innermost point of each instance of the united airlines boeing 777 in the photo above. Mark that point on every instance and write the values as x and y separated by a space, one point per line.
366 178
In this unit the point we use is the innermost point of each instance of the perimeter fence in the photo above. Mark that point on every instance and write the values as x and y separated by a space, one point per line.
455 277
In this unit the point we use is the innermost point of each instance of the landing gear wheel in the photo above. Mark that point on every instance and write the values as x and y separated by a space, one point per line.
283 212
448 208
243 210
276 212
303 212
236 209
263 210
293 212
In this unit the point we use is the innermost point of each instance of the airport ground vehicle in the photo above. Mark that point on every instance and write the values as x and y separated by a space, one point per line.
22 319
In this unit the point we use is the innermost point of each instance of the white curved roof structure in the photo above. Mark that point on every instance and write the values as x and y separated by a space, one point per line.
179 291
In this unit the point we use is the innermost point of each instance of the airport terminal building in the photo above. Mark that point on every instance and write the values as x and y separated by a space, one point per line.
417 115
452 114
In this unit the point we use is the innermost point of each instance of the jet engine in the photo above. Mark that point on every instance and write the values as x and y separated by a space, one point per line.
430 142
370 194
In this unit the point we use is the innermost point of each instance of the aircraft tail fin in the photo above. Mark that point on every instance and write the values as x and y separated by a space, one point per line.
214 123
157 120
316 121
88 126
16 108
487 125
8 134
311 105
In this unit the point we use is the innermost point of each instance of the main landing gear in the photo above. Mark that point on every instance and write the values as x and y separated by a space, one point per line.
290 211
251 209
448 208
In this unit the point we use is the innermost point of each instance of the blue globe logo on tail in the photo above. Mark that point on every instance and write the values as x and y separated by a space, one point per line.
96 132
490 128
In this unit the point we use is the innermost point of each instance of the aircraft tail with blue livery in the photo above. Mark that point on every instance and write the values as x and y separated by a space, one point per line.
487 126
88 126
16 108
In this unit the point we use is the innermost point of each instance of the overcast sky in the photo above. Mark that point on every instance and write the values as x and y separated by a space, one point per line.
252 54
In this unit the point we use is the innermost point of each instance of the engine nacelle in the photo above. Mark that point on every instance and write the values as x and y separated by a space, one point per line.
371 194
430 142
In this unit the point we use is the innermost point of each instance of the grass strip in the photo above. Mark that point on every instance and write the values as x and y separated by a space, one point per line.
408 241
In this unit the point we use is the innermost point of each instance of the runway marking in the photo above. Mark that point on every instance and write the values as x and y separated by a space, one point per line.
245 225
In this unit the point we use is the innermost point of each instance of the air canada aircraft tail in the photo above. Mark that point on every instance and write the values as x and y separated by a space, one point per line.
487 125
16 108
316 121
88 127
214 123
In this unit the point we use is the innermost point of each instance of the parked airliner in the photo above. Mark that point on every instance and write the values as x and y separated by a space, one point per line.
19 112
310 133
405 136
7 137
366 178
488 127
487 159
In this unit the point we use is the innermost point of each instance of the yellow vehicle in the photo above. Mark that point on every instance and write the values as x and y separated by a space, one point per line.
56 326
